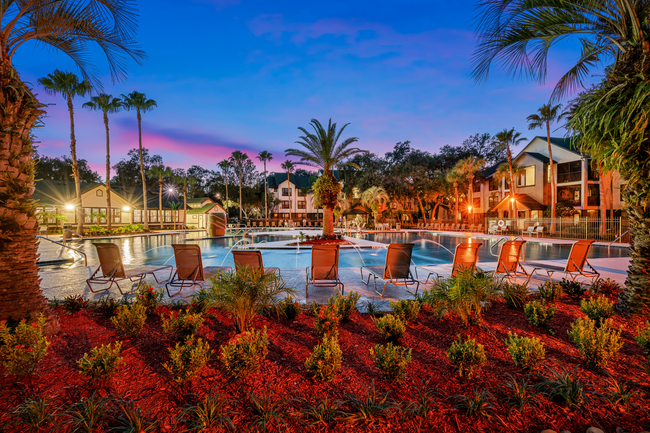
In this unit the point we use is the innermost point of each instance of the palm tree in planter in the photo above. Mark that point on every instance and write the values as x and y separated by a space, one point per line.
237 159
160 172
73 30
373 197
507 139
322 150
470 167
226 165
138 101
68 85
107 105
264 157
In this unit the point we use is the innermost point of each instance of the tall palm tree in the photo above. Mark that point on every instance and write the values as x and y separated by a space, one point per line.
106 104
225 165
373 197
504 172
265 156
546 115
507 139
184 181
237 159
68 85
160 172
138 101
174 207
453 177
469 167
288 166
322 150
74 28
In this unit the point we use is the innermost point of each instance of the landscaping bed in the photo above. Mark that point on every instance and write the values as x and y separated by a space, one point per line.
321 242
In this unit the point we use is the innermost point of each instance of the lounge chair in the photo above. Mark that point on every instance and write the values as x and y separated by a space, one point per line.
539 231
189 268
465 258
493 230
575 264
479 229
324 269
530 230
396 268
251 259
509 260
111 269
470 228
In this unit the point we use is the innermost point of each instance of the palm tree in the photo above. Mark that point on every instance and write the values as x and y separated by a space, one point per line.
265 156
74 31
373 197
174 207
546 115
322 150
237 159
503 172
469 167
507 139
160 172
68 85
288 166
106 104
225 165
453 177
184 181
138 101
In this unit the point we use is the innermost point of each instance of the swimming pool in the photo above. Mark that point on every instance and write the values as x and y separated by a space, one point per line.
156 250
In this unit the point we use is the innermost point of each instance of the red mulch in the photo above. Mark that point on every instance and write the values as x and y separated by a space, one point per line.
322 242
145 381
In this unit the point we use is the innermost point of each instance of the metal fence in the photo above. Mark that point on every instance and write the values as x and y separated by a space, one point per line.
604 230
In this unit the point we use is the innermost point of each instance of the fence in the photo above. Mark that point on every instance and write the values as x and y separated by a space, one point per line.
568 228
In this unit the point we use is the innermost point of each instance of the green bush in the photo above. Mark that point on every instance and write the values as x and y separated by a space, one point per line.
597 345
391 360
182 324
597 308
539 314
244 353
327 320
130 319
187 359
643 337
149 297
515 295
345 305
436 302
101 363
325 360
75 303
467 356
572 288
390 327
200 303
22 349
607 287
289 308
526 352
406 310
550 291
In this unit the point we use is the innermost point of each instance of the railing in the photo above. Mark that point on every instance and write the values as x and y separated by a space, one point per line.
65 246
603 230
619 237
71 231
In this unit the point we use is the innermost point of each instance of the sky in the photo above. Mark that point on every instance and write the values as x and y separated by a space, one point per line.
245 74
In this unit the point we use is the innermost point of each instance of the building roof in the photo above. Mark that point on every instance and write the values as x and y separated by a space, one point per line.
198 200
522 199
58 192
276 179
203 209
538 156
489 172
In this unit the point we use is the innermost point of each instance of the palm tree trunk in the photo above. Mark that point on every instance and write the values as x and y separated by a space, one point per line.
471 195
108 175
602 206
550 165
240 202
20 292
160 214
456 194
424 215
266 196
144 179
328 221
513 191
185 206
226 179
75 169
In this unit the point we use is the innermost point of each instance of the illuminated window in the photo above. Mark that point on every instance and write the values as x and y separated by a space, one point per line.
528 177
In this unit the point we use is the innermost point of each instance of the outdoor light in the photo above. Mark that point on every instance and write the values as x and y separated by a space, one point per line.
512 200
69 207
470 208
126 208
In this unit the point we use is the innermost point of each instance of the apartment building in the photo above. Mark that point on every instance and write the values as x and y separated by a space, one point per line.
293 195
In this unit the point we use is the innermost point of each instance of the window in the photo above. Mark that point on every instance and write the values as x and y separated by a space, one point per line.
477 203
477 187
528 177
495 184
87 212
302 204
137 216
99 193
117 216
286 204
286 192
301 193
593 195
592 170
569 172
494 200
153 216
168 216
570 195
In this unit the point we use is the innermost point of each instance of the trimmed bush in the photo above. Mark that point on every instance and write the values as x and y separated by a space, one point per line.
550 291
390 327
130 319
391 360
515 295
597 345
572 288
182 324
101 363
187 359
289 308
75 303
327 320
22 349
597 308
200 303
643 337
608 287
406 310
526 352
149 297
467 356
344 305
539 314
325 360
244 353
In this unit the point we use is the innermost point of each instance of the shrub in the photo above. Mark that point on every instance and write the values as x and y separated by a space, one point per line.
391 360
565 387
101 363
607 287
108 306
22 349
187 359
572 288
149 297
479 403
436 302
390 327
550 291
597 308
515 295
36 414
526 352
405 310
327 320
597 345
200 303
244 353
246 293
74 303
643 337
325 360
209 414
467 356
182 324
289 308
345 305
539 314
130 319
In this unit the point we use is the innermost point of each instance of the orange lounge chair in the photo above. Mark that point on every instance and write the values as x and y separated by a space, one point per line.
189 268
111 269
465 258
509 260
324 269
396 268
251 259
575 264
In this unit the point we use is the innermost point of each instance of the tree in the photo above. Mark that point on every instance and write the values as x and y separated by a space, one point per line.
507 139
174 207
160 172
68 85
225 165
184 180
264 157
237 159
470 167
52 168
106 104
505 171
546 115
373 197
74 30
138 101
454 177
322 150
127 171
288 166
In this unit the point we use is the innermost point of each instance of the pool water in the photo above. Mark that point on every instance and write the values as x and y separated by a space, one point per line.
157 250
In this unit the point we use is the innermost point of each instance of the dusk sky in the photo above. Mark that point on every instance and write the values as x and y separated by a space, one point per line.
244 74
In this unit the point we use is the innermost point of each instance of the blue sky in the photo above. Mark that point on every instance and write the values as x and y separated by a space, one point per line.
244 74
